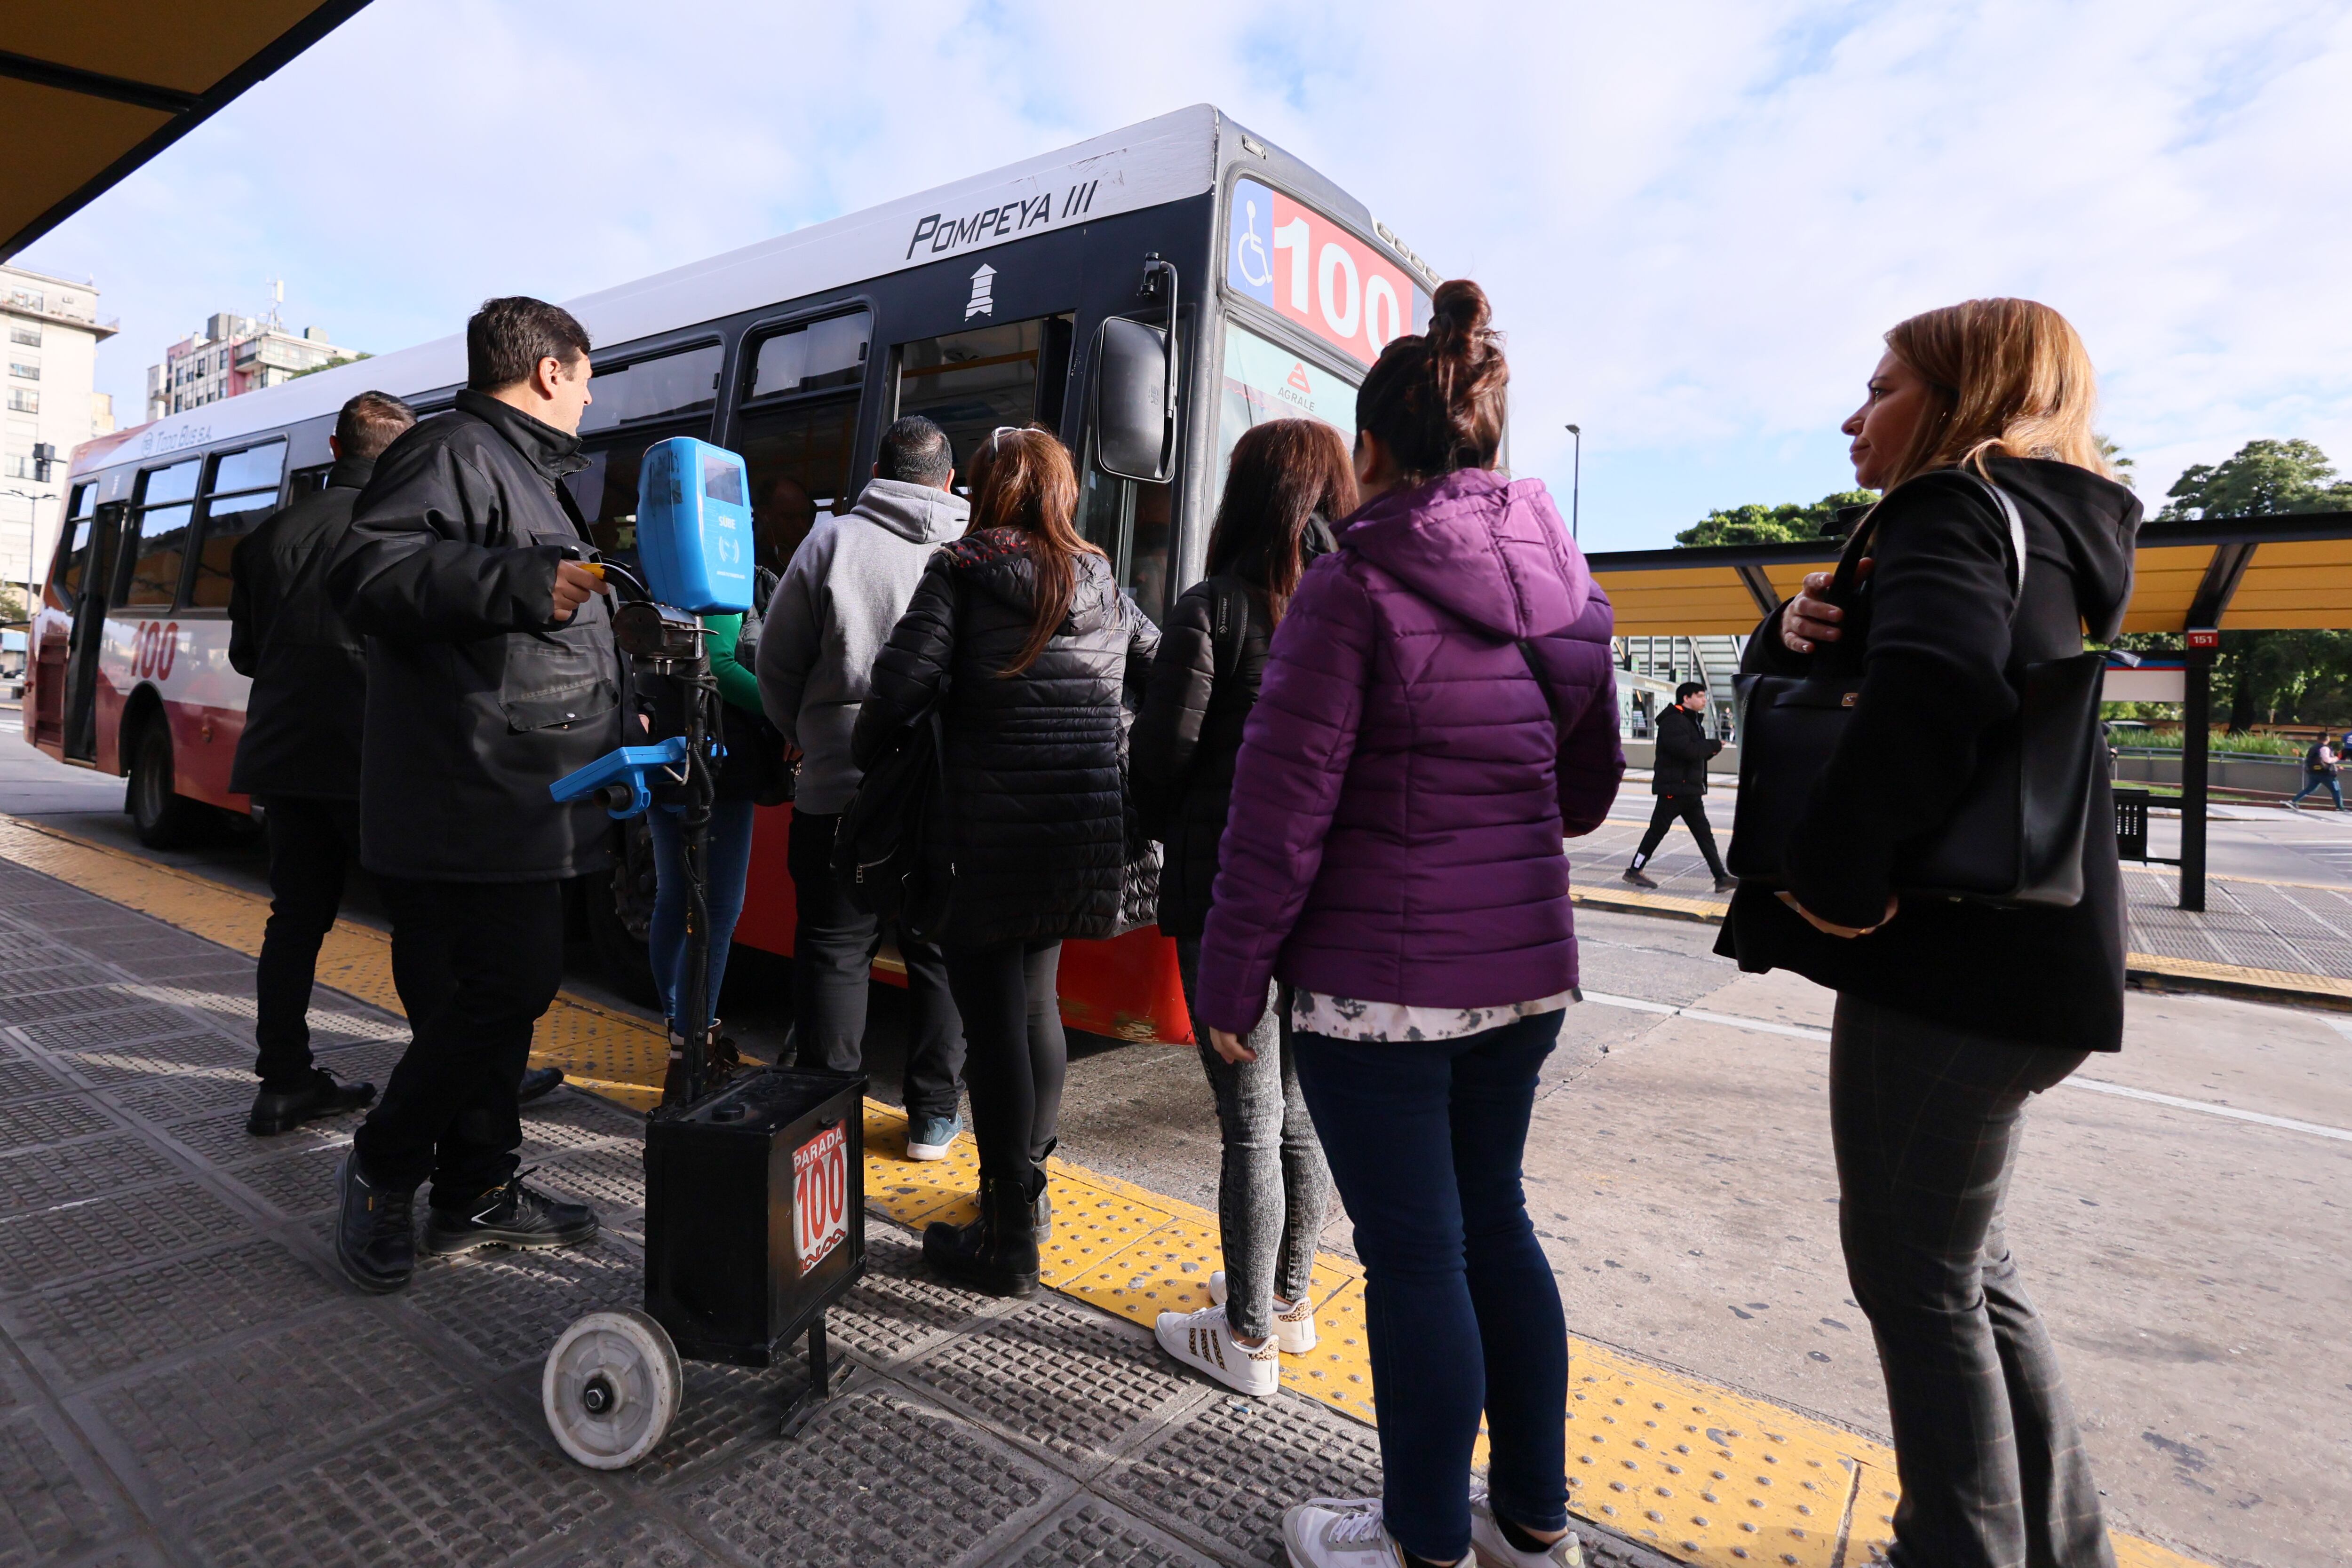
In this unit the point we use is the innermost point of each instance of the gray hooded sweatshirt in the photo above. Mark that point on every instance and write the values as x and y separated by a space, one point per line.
846 588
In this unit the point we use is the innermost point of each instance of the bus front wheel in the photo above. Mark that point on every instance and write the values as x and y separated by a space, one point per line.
162 818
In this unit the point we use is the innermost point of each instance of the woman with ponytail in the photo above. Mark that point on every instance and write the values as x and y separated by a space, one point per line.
1021 635
1438 709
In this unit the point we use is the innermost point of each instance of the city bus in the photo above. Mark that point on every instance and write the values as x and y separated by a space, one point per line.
1149 295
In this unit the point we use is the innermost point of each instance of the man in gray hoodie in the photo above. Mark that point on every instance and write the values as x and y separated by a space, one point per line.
844 591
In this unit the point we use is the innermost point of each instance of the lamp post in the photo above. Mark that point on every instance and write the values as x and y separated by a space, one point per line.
1575 480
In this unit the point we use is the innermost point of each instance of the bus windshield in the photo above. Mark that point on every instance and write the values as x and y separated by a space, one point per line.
1265 382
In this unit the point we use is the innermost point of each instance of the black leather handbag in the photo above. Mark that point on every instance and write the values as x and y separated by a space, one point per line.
890 855
2014 837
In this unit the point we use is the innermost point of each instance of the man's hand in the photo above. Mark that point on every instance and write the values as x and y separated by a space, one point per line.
1230 1047
1848 932
575 582
1811 619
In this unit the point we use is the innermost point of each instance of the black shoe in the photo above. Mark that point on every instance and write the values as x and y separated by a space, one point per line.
538 1083
1726 884
376 1233
276 1111
509 1216
996 1253
1634 875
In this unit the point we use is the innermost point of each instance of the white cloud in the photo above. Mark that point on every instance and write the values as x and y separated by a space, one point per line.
1696 217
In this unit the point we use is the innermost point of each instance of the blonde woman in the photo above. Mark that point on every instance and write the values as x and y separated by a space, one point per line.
1952 1016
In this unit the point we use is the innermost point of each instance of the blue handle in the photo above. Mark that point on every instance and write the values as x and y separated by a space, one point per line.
628 765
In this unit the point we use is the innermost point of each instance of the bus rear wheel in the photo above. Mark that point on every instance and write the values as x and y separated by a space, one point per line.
162 818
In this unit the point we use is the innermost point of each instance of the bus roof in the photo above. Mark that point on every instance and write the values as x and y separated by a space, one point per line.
1144 165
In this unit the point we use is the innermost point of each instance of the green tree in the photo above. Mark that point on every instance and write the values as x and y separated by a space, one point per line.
2265 477
1784 524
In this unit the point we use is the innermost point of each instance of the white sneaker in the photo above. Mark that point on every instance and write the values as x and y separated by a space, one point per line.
1493 1550
1293 1322
1334 1533
1202 1340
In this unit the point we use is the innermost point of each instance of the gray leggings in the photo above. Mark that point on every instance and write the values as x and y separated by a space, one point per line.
1274 1189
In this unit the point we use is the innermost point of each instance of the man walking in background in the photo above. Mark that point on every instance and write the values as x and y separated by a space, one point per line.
844 589
298 755
1678 779
491 673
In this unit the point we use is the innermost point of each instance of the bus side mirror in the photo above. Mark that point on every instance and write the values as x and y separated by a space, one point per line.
1134 431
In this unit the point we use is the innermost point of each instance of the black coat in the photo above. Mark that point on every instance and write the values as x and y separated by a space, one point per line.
477 701
302 718
1190 732
1930 633
1038 826
1682 748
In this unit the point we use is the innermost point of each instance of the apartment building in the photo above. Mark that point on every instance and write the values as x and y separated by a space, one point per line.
232 355
49 331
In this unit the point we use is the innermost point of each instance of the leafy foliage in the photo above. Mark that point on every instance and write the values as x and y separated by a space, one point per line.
1757 525
2264 478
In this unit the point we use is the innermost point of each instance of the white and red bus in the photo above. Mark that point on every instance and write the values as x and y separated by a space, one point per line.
978 304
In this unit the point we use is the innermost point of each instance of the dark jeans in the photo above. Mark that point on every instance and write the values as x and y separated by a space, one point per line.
728 864
2327 781
1014 1053
1927 1121
833 946
1692 809
310 843
1273 1188
476 964
1424 1140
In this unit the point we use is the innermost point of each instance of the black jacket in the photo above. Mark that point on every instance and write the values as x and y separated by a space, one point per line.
301 733
1930 632
1191 731
1038 822
476 701
1682 748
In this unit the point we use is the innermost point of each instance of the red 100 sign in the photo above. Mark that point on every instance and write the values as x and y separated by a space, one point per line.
155 650
1288 256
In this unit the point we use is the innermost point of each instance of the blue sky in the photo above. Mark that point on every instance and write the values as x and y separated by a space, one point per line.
1696 218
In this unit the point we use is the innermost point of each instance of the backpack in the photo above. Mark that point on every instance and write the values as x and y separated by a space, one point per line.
2315 762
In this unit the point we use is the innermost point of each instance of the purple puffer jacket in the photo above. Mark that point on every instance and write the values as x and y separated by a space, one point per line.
1400 793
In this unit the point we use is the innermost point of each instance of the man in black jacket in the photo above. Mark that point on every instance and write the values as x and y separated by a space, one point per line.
298 755
1678 779
491 673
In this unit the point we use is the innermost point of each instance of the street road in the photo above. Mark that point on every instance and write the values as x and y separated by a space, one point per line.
2181 1214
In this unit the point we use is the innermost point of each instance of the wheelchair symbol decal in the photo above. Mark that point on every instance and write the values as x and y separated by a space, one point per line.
1250 257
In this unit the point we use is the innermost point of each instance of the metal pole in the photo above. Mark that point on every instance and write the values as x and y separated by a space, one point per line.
1576 480
2196 730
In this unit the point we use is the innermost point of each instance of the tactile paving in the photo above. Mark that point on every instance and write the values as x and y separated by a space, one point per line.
1089 1534
916 1192
261 1402
1062 1378
169 1100
874 1479
509 1306
58 1243
102 1031
102 1326
47 1004
898 1307
25 976
1167 1270
724 1406
641 1543
1226 1473
606 1179
298 1184
47 1513
32 1123
1339 1370
1093 1223
453 1489
566 1122
24 1079
40 1178
219 1136
181 1056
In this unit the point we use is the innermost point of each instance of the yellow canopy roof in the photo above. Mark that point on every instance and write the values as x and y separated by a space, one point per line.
2269 573
90 90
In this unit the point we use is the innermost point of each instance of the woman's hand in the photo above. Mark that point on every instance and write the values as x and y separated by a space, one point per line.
1818 924
1230 1047
1811 619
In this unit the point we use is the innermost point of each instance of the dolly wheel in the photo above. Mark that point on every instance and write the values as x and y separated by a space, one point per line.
612 1388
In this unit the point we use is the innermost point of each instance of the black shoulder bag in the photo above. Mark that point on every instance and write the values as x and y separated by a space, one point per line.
2015 836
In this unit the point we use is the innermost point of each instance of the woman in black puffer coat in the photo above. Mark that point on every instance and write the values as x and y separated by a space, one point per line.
1021 626
1286 477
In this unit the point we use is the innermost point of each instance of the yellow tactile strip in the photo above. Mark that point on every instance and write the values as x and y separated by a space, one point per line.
1700 1473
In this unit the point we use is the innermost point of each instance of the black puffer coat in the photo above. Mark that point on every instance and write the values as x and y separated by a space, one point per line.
1038 819
1191 731
1682 752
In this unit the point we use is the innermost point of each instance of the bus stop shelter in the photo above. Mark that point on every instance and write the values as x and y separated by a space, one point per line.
2192 581
90 90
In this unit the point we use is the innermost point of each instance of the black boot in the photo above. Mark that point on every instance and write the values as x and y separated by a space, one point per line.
276 1111
996 1253
376 1235
538 1083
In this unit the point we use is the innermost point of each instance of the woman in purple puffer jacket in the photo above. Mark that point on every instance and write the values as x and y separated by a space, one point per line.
1439 705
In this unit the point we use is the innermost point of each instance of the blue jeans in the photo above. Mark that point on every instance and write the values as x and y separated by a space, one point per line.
2328 781
1424 1140
730 863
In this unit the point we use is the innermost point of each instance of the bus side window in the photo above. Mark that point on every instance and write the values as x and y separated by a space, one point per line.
968 383
798 427
637 405
1132 524
159 529
244 490
72 562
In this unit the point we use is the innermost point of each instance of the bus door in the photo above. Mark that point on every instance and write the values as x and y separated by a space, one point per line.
86 577
969 383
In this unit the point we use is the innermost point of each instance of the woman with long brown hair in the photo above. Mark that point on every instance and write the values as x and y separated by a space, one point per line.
1288 481
1950 1015
1022 636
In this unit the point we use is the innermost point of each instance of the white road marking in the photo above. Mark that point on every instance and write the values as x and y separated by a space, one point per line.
1800 1031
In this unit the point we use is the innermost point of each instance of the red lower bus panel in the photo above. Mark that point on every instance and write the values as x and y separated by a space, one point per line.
1127 988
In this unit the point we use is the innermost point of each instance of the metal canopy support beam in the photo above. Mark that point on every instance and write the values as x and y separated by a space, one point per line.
2195 730
1759 588
2222 575
91 84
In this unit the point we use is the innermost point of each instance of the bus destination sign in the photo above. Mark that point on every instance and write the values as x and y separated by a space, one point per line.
1308 269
